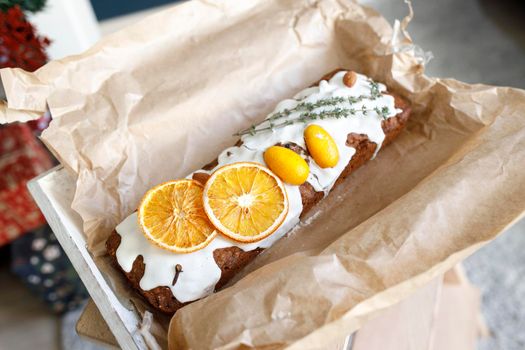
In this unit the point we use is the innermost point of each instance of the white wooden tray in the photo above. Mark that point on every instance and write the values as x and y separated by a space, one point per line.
53 192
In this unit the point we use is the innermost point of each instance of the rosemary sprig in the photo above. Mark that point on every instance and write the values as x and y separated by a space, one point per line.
308 107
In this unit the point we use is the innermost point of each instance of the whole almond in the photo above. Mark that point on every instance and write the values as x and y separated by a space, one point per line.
350 78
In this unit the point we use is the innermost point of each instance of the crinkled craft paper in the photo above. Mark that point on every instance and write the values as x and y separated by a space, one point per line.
161 98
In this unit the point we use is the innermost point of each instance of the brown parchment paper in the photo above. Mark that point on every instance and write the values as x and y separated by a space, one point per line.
161 98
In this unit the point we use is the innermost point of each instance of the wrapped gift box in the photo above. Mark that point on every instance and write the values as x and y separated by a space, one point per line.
22 157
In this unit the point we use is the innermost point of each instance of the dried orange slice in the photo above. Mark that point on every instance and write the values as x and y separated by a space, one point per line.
171 215
245 201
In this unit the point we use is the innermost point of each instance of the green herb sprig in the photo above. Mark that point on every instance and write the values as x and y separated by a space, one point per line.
336 113
307 109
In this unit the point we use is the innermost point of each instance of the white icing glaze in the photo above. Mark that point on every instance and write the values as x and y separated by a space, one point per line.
200 273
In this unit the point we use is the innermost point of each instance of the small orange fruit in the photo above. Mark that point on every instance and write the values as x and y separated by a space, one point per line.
287 164
321 146
245 201
172 216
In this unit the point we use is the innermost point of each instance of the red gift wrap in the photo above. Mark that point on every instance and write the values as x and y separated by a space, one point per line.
22 158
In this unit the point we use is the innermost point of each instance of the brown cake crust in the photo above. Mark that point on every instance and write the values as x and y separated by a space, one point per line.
232 259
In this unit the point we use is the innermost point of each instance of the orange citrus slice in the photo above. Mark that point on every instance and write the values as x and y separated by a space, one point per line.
171 215
245 201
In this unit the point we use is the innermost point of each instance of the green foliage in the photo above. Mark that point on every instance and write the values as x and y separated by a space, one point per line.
26 5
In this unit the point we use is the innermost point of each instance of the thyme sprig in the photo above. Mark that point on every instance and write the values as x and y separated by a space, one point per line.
305 117
374 90
308 114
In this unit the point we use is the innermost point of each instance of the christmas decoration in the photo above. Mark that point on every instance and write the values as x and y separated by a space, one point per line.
37 258
26 5
20 46
41 263
22 158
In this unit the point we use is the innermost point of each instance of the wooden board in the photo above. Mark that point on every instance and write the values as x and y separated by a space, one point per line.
91 325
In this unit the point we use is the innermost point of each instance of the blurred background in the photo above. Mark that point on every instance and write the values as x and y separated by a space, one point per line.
477 41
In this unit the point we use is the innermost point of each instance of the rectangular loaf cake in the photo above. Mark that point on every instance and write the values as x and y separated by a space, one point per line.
374 117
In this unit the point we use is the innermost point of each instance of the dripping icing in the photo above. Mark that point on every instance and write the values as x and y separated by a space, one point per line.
199 272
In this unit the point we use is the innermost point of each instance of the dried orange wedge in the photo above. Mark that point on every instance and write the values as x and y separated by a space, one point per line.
171 215
245 201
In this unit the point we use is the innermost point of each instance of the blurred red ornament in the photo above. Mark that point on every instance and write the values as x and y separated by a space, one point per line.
20 45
